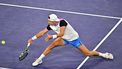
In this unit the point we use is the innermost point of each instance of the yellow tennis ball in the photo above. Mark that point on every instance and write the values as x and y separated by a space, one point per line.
3 42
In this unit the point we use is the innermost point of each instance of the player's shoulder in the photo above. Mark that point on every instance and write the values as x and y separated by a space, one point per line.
48 27
62 20
63 23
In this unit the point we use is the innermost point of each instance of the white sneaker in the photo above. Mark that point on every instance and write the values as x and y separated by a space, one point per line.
108 55
37 62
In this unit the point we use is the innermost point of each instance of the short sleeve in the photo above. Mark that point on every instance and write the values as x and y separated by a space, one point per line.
63 23
48 27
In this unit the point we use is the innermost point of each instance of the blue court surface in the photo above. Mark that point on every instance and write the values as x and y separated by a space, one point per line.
98 22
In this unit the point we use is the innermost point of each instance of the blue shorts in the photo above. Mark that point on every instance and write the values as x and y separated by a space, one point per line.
76 43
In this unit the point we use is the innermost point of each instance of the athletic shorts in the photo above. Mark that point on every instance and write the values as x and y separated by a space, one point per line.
76 43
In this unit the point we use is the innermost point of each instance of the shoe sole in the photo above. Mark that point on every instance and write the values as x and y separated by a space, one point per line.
37 64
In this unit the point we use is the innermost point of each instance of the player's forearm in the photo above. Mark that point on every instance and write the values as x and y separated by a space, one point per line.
36 37
62 30
40 34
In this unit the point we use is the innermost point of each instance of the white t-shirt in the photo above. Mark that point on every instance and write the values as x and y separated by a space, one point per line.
70 34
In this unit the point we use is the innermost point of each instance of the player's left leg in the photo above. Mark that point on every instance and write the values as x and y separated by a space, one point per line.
87 52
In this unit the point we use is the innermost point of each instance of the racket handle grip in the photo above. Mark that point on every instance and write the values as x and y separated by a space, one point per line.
28 44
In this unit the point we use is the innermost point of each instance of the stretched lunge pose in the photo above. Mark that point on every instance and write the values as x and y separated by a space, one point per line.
65 35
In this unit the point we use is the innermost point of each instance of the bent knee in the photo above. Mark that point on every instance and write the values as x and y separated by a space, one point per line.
56 41
53 44
49 48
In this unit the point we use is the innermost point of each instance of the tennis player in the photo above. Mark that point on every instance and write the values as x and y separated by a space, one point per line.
65 35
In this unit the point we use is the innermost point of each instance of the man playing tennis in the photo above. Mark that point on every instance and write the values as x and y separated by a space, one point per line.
65 35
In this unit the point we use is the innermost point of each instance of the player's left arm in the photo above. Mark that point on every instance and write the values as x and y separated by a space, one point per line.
62 30
63 25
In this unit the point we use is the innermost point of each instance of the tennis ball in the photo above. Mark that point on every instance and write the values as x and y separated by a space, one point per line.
3 42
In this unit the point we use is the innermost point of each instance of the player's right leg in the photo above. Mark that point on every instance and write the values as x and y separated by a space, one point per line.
57 42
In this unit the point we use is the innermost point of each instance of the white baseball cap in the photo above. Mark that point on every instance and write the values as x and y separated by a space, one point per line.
53 17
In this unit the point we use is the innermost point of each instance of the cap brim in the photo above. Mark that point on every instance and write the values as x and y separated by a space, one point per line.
54 20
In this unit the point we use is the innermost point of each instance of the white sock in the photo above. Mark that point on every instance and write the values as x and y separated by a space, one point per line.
101 54
41 57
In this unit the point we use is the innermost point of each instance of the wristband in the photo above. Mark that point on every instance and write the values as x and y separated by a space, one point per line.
27 46
54 36
34 37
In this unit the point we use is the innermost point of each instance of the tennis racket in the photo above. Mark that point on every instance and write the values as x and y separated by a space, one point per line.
24 54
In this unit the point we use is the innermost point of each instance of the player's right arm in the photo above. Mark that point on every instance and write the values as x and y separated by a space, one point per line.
38 35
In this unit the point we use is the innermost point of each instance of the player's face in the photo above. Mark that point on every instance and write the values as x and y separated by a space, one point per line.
52 22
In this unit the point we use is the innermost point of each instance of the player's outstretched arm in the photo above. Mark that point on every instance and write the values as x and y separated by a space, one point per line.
38 35
41 33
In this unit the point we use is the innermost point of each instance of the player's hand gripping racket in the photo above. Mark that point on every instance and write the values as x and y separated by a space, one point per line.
24 53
